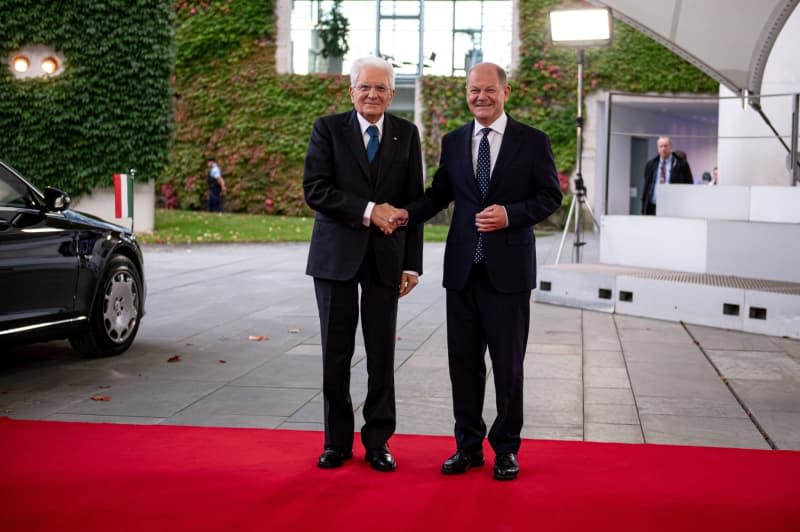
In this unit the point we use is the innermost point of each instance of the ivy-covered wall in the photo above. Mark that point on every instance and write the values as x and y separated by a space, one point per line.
230 103
111 108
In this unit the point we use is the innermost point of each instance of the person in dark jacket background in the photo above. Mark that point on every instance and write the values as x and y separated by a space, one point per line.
666 168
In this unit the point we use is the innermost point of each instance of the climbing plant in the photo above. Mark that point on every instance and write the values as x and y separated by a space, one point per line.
110 109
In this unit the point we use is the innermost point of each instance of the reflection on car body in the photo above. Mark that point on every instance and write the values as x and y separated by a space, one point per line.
64 273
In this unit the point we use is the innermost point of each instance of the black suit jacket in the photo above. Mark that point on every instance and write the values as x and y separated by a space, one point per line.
679 173
338 183
524 181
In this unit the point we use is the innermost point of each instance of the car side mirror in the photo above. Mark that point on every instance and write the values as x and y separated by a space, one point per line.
55 199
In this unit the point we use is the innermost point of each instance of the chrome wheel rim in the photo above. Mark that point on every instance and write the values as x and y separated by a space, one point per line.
120 307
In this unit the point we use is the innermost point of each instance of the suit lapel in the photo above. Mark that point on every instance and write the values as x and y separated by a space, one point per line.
388 146
351 131
468 169
508 148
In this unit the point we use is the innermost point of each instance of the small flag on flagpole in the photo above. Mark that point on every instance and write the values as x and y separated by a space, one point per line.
123 196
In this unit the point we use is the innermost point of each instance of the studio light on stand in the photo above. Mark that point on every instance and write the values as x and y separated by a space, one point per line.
579 28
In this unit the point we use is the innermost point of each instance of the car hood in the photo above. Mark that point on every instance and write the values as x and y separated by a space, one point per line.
86 218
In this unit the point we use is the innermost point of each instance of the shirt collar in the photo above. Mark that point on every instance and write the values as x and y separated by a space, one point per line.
364 124
498 126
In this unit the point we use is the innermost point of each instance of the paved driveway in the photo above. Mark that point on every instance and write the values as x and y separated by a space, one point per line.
589 375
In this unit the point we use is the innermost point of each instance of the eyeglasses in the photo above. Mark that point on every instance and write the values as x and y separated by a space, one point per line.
364 87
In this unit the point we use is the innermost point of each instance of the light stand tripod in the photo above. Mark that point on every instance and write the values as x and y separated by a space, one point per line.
579 193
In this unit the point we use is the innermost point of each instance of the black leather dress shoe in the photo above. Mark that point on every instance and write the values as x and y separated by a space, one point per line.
461 461
381 459
506 466
331 458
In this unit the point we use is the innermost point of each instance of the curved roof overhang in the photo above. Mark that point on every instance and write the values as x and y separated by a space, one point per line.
730 40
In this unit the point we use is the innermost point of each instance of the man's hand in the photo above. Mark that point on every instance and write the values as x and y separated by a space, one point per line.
399 217
492 218
407 283
387 218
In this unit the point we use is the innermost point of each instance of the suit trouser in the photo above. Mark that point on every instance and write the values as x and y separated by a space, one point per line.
338 304
479 316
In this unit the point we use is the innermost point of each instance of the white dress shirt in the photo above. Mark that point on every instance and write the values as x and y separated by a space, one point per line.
495 138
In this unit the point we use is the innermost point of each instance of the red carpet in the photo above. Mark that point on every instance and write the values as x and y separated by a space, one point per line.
79 476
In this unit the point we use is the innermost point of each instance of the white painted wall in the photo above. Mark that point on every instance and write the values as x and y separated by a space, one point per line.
757 250
731 202
283 23
101 203
708 202
753 249
654 242
748 151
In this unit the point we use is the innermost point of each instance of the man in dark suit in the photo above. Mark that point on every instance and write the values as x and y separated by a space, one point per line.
357 162
666 168
501 175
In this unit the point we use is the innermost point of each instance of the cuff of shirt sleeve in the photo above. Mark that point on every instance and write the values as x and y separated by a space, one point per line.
411 272
368 213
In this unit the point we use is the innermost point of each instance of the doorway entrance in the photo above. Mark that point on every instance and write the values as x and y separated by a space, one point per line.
639 156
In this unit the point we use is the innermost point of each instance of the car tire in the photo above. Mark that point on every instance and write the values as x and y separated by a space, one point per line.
115 313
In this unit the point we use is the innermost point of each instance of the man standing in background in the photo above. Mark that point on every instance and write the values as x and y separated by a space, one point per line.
666 168
216 186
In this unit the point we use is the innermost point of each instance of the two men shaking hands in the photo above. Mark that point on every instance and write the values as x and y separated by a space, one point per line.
388 218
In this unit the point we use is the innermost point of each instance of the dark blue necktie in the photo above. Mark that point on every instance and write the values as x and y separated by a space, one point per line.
372 145
482 174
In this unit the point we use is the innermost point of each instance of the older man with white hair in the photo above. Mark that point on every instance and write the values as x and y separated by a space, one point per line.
357 164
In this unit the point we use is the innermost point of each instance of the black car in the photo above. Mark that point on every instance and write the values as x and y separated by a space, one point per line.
65 274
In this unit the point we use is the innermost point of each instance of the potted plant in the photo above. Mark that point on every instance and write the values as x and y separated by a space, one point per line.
332 30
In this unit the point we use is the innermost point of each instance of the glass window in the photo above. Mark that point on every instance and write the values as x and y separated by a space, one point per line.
457 33
13 192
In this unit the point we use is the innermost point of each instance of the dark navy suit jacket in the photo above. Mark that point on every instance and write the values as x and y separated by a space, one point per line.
524 181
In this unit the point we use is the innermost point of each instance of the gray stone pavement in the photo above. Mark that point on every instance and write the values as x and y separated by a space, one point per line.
589 376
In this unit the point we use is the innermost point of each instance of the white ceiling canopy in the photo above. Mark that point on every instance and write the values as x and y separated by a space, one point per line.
730 40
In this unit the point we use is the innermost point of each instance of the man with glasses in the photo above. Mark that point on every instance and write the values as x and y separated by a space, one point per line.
357 164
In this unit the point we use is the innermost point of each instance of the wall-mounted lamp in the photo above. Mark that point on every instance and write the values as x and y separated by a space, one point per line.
36 61
21 64
50 65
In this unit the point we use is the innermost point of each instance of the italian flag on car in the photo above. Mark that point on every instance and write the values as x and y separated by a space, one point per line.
123 196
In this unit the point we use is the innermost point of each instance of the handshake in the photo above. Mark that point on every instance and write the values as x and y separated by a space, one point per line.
388 218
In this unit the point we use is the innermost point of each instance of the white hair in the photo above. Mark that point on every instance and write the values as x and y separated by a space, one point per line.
371 61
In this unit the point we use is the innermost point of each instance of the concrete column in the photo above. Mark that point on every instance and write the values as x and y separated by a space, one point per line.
283 36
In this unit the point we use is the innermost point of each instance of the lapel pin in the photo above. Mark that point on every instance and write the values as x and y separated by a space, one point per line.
394 138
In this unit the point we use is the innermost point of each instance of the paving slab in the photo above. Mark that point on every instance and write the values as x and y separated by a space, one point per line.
609 432
706 431
589 375
608 396
614 414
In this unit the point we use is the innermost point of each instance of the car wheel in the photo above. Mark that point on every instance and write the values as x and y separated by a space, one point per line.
115 313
